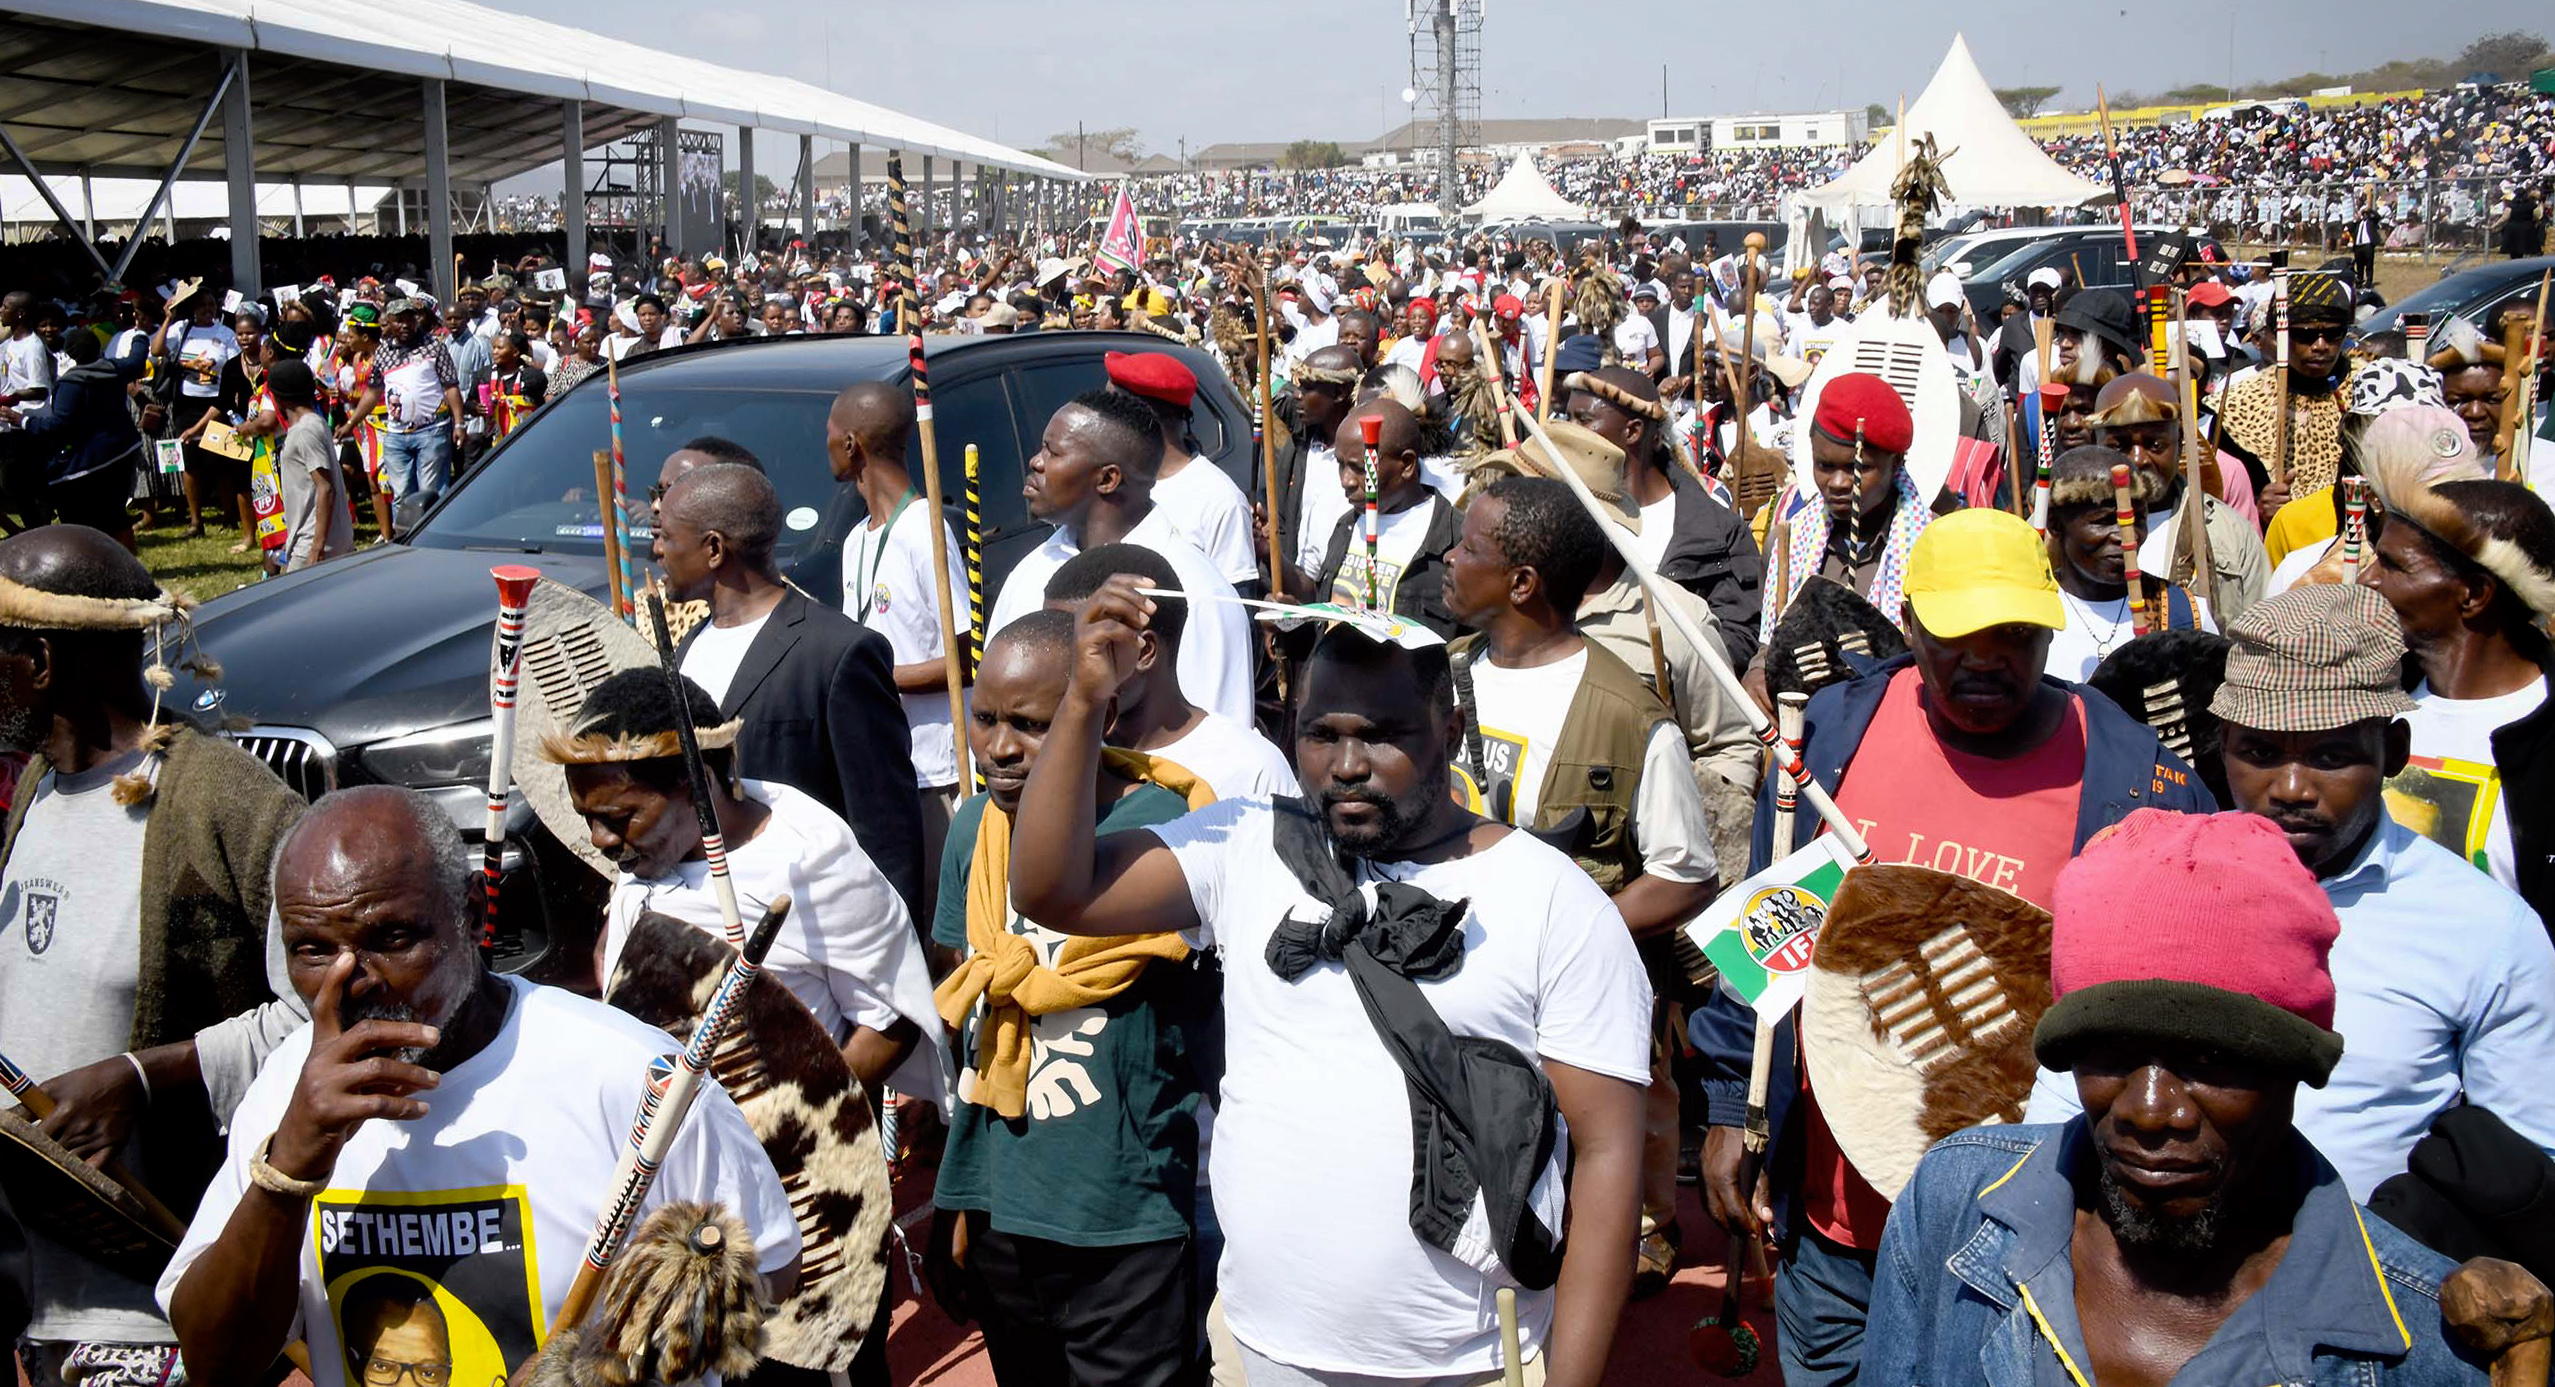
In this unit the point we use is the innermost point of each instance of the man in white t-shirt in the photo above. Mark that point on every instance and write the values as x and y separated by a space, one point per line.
1568 741
2469 567
2085 555
1326 1277
888 584
26 364
1637 338
1092 479
1415 525
848 949
1204 506
1152 715
412 1176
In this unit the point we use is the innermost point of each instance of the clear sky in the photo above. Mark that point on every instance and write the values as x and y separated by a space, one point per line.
1018 71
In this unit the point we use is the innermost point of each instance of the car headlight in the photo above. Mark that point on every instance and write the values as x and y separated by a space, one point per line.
451 755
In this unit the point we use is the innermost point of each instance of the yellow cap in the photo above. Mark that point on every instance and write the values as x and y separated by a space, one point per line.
1978 568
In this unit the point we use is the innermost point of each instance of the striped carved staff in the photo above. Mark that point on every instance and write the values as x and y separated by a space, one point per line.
514 597
975 564
2125 517
661 1112
910 268
697 773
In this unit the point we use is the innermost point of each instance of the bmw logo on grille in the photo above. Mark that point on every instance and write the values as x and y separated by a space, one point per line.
208 700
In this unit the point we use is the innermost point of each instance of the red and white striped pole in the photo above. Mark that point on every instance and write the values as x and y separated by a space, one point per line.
514 597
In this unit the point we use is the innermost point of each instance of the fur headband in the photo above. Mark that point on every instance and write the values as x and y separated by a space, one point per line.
1614 394
586 748
1325 375
2407 498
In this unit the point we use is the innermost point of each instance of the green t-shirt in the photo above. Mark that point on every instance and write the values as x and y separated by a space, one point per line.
1107 1153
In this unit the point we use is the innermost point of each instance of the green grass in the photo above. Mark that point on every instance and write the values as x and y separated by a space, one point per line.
206 568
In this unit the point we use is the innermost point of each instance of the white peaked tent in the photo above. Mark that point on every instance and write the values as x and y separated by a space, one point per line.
1992 162
1524 194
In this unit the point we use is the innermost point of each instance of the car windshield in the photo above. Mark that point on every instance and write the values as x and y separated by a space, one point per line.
537 495
2454 296
2011 261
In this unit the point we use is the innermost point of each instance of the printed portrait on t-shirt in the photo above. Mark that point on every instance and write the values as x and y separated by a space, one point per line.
1503 759
2448 801
430 1289
1349 588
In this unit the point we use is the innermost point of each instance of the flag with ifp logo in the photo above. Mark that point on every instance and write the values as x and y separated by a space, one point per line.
1762 932
1118 246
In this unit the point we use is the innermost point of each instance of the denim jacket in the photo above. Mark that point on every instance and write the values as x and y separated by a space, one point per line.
1975 1284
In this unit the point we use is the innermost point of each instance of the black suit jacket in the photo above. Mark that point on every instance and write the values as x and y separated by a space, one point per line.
817 691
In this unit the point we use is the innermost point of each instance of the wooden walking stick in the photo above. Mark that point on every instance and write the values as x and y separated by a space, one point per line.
1552 347
627 609
32 1096
1512 1373
1746 401
2517 448
705 814
1495 371
605 507
514 595
661 1112
2280 378
909 266
1268 446
2501 1311
2125 515
2195 498
2520 348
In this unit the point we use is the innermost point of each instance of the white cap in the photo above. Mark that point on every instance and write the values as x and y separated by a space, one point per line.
1944 291
2046 274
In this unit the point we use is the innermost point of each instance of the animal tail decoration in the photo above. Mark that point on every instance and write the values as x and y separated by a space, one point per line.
684 1301
1919 189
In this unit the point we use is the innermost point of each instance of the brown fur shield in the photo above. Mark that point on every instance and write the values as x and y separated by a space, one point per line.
813 1120
1918 1017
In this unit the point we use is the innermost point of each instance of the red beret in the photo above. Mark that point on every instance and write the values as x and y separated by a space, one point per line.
1153 375
1859 397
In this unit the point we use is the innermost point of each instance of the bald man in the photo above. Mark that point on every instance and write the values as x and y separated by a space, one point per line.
1416 525
888 585
816 689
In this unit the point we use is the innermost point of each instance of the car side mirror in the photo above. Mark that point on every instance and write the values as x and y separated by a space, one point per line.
407 511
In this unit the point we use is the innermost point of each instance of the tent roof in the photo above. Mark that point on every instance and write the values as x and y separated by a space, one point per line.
113 87
119 200
1523 192
1991 162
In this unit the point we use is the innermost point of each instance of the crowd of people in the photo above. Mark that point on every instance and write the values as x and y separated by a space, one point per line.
1344 997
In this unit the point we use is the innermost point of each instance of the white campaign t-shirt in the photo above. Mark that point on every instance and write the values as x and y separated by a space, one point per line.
712 658
201 353
1312 1160
1634 337
1233 758
2453 751
848 949
2094 630
1396 546
1215 648
490 1197
1319 508
1521 713
1658 526
888 587
1208 510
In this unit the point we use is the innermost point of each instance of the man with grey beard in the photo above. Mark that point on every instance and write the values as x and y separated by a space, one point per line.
135 981
2180 1229
434 1124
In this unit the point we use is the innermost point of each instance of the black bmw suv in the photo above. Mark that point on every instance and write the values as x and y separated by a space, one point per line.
374 668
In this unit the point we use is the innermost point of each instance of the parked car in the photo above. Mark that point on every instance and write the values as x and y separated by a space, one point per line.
2091 256
2475 295
374 668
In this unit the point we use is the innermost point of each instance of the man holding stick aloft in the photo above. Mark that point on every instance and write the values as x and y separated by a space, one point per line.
435 1123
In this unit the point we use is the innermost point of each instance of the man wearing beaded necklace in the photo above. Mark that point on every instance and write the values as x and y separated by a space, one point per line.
2085 554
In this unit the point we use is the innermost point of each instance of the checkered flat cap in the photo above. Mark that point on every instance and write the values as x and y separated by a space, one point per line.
2313 659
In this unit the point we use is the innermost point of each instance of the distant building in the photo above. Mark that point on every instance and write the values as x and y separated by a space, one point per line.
1694 134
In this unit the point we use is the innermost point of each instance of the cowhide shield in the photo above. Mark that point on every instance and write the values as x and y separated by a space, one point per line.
1917 1020
570 644
68 1200
799 1097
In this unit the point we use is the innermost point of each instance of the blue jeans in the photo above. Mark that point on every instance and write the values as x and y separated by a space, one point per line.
416 463
1821 1296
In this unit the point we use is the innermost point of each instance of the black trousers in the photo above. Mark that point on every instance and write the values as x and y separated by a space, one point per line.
1056 1315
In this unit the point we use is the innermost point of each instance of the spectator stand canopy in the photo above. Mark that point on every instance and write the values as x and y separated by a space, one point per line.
1523 194
411 92
1990 163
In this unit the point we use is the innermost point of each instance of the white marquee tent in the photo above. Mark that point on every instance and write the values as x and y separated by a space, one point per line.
1990 163
1524 194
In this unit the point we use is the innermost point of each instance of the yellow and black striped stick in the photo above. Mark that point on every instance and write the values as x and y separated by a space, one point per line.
910 266
975 566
